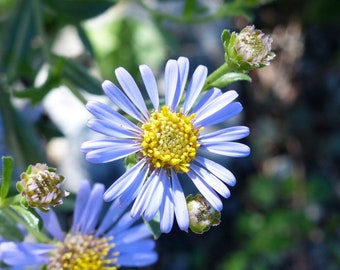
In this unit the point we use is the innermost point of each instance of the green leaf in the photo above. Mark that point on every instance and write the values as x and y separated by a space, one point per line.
18 31
7 170
85 39
20 136
78 76
8 228
154 226
229 78
189 8
30 218
225 37
130 161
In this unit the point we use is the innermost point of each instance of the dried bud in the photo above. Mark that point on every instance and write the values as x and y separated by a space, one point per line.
201 214
40 186
249 49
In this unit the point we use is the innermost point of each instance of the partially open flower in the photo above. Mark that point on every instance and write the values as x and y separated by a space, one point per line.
249 49
40 187
201 214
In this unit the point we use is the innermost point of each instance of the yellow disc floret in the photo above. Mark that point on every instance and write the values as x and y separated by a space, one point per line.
83 252
170 139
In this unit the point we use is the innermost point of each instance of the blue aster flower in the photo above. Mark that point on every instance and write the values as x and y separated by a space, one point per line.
114 242
167 140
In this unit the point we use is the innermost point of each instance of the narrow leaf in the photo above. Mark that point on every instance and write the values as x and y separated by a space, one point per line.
20 136
78 76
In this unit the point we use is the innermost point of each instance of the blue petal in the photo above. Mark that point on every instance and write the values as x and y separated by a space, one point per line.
122 225
137 259
136 247
92 209
27 254
196 84
150 85
82 197
181 210
231 149
183 70
206 191
157 198
110 128
106 143
133 189
215 105
170 80
118 98
218 170
225 135
207 98
123 182
145 195
111 216
108 154
211 180
131 90
167 208
104 112
133 234
51 224
217 117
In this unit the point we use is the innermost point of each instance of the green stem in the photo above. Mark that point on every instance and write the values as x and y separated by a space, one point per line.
218 73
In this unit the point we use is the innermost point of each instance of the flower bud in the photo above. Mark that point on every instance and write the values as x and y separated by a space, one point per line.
201 214
40 186
249 49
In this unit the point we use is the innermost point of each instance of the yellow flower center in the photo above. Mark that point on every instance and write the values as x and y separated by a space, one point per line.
170 139
83 252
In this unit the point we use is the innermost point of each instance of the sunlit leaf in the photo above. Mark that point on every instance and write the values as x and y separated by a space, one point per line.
9 228
29 217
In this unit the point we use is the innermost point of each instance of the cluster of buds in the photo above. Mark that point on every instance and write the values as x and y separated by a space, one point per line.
247 50
201 214
40 187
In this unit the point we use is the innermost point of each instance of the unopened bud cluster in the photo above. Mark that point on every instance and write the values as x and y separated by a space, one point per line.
201 214
40 187
249 49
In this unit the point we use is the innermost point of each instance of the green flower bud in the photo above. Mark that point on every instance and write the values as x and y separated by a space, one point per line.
201 214
247 50
40 187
